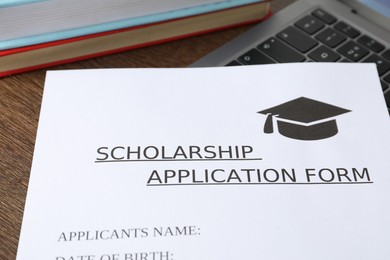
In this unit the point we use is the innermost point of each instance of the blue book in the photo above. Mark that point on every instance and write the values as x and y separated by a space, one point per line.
30 22
8 3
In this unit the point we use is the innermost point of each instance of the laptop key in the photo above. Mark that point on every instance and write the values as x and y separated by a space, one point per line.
297 39
255 57
331 37
280 51
382 65
386 54
233 63
324 54
324 16
347 29
387 98
353 51
371 43
387 78
310 24
385 86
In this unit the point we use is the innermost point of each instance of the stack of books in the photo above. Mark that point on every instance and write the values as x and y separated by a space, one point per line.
37 34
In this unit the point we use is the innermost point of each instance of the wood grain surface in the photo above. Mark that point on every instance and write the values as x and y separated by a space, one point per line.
20 101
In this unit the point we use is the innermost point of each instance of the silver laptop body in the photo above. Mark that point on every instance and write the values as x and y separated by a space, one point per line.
371 28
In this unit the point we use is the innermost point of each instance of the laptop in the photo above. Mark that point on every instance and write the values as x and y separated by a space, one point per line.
315 31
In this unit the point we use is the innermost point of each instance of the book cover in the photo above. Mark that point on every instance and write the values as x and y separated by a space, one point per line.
210 163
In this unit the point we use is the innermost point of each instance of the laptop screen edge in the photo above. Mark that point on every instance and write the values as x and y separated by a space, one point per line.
370 13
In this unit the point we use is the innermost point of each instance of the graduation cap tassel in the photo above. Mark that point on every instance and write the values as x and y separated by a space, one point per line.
269 125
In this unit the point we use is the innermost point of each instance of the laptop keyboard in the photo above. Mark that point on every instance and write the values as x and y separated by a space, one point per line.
321 37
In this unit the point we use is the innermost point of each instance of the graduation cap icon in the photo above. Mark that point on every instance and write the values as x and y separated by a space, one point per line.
303 119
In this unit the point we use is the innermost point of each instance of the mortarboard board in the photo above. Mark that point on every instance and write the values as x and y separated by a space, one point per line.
304 119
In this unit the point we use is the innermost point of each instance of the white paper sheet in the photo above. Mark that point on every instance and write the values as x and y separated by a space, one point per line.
140 164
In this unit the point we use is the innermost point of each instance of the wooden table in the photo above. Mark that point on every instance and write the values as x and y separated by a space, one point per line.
20 101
